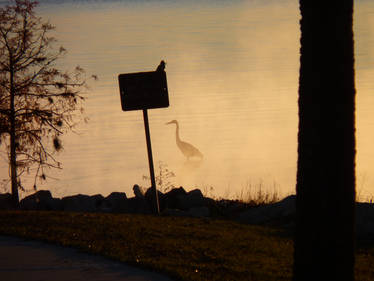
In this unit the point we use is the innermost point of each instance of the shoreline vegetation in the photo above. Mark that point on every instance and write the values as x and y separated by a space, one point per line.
226 245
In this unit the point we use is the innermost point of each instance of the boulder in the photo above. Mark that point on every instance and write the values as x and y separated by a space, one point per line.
98 199
229 208
6 202
192 199
115 202
282 210
171 197
82 203
55 205
138 191
41 200
137 205
150 196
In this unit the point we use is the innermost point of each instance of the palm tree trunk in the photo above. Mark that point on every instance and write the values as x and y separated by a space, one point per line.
324 237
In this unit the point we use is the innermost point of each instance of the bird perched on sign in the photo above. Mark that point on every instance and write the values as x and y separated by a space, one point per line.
161 66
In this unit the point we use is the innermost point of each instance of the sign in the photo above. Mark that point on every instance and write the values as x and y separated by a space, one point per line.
143 90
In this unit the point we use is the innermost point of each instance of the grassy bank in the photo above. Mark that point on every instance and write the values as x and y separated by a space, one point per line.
183 248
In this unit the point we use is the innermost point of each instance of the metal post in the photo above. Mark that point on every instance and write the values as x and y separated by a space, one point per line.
150 158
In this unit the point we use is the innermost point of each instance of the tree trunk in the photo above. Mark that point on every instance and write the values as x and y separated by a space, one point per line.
324 238
13 154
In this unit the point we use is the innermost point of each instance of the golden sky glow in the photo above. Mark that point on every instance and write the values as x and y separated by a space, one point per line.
233 78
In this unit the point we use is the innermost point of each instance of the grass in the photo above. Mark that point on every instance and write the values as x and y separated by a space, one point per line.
251 193
183 248
258 193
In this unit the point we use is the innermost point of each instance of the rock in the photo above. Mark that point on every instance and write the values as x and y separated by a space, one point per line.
171 197
115 202
116 196
6 202
98 198
82 203
281 210
230 208
55 204
199 212
138 205
41 200
150 196
138 191
194 198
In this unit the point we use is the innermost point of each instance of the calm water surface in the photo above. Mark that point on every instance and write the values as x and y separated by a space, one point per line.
232 69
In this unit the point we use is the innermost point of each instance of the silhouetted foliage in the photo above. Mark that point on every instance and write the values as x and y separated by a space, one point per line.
37 100
163 177
324 247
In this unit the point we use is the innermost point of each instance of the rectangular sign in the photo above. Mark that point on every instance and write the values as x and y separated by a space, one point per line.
143 90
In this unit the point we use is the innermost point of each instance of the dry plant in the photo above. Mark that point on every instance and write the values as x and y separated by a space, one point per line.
258 193
163 177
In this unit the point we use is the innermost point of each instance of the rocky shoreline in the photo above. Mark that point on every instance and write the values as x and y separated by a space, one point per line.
179 202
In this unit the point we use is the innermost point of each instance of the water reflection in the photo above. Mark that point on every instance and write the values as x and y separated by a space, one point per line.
189 166
232 71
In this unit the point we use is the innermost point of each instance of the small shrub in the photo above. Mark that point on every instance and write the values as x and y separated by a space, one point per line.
163 177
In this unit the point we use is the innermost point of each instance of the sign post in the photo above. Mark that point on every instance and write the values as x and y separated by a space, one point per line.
150 157
142 91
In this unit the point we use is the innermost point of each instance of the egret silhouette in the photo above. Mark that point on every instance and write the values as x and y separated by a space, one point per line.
187 149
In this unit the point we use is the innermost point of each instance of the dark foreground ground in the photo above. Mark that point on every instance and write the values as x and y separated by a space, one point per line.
25 260
182 248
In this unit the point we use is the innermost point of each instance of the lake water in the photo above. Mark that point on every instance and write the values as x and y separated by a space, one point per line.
232 70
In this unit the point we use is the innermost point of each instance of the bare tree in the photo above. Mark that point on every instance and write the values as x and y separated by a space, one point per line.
324 239
38 102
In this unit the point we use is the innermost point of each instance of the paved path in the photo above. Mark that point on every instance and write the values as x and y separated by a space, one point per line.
22 260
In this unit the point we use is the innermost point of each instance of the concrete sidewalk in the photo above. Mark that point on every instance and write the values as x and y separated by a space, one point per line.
22 260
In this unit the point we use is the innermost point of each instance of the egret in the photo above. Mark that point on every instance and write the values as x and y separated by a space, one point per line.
187 149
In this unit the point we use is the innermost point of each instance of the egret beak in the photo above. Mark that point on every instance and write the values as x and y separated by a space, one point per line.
167 123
